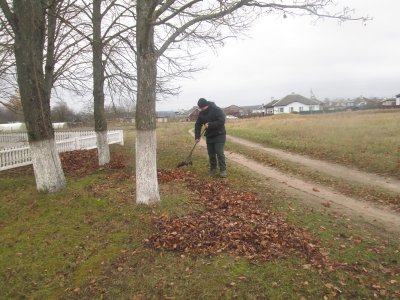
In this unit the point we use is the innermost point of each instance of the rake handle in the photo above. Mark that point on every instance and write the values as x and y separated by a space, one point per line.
194 146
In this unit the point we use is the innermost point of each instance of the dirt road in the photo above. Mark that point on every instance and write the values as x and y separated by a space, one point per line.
332 169
321 196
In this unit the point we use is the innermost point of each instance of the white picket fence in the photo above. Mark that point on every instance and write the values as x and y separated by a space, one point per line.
18 137
65 141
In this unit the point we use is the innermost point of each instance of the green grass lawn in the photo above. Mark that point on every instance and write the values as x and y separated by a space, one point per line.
88 242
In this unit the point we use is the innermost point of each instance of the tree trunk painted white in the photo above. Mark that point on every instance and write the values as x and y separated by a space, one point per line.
28 22
47 166
103 149
146 167
146 144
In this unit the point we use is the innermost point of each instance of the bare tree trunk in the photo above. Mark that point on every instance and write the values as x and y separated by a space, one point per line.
100 121
29 29
146 145
51 41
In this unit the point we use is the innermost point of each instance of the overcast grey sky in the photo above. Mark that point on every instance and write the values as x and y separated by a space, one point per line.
281 56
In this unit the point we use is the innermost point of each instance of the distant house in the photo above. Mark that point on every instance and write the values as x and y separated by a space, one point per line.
253 110
126 120
234 110
365 103
12 127
15 127
351 104
192 114
60 125
388 102
292 103
269 107
398 99
165 116
339 104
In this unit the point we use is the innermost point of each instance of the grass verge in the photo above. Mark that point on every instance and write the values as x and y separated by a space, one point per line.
88 241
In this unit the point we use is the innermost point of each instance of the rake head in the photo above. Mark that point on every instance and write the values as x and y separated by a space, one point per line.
185 163
188 160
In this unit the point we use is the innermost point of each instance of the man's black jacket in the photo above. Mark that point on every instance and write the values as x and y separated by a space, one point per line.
215 118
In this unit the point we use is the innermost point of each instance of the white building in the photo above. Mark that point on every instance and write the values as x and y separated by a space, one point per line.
60 125
398 99
12 127
292 103
15 127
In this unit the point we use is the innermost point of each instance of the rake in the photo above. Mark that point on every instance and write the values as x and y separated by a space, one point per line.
188 160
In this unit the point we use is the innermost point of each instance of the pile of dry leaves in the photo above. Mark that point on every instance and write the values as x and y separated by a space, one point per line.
85 162
234 223
168 175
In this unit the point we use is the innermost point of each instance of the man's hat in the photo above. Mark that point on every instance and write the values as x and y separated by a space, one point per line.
202 102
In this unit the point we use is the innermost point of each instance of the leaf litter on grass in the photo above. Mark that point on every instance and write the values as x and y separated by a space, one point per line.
80 163
232 222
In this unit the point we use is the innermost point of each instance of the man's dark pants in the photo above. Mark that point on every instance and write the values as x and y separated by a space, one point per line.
216 154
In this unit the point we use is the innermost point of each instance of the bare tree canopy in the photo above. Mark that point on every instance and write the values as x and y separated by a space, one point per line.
112 21
65 63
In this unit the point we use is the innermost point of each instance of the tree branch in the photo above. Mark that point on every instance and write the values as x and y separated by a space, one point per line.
10 16
199 19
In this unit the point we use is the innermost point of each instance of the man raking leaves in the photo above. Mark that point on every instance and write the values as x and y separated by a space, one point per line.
213 119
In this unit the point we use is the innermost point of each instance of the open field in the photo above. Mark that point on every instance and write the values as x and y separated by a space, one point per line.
91 240
368 140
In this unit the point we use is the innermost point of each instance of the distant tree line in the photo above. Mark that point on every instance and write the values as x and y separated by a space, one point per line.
61 112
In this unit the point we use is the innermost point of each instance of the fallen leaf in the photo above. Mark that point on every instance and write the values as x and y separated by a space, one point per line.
328 285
